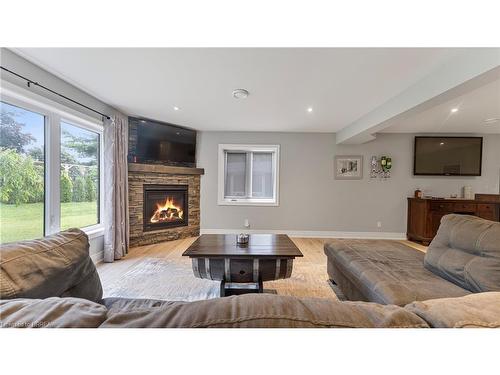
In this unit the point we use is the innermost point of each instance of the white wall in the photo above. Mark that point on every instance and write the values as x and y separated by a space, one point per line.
312 200
23 67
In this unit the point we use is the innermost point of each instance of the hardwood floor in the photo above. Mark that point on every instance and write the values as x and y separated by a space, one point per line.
415 245
309 276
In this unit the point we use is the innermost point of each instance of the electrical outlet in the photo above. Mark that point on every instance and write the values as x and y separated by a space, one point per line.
247 223
379 224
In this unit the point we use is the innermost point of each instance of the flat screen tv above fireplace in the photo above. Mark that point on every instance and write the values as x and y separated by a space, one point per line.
161 143
447 156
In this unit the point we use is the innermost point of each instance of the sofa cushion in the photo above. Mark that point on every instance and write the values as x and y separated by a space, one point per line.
473 310
388 272
262 311
51 313
114 304
54 266
466 251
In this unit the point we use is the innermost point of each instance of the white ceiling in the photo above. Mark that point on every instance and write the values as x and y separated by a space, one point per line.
473 108
340 84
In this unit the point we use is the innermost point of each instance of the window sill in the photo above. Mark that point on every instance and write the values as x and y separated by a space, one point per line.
94 231
248 202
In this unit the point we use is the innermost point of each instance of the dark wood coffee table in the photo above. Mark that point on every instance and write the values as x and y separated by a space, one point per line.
242 268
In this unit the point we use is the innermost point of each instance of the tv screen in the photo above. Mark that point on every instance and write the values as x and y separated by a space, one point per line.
448 156
157 142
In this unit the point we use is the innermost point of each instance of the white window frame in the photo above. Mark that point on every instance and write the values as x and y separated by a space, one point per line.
56 113
247 201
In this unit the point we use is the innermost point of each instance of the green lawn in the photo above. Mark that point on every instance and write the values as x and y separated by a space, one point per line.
26 220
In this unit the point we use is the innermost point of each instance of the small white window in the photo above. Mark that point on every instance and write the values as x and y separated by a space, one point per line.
248 175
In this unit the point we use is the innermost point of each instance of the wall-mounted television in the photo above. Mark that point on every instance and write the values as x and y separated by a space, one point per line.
447 156
161 143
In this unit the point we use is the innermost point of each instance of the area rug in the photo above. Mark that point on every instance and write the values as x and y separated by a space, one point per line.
161 272
163 279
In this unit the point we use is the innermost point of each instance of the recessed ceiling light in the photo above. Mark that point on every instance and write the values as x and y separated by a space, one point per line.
240 94
453 110
491 120
309 109
442 143
176 108
143 121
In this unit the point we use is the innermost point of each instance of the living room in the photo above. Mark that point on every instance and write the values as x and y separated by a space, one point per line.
180 186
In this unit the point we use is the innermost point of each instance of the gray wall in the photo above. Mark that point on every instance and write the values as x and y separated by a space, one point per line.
22 66
306 178
312 200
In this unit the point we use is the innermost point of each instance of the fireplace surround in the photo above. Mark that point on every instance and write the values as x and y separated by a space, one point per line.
175 189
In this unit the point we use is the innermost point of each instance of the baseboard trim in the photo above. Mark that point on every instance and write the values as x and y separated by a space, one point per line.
313 233
97 257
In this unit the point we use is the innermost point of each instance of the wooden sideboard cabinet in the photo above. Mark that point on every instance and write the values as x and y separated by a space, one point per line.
424 214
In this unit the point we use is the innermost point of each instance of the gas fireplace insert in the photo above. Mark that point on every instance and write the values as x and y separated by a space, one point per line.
165 206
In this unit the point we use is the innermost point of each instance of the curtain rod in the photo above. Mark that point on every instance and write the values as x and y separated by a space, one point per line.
31 82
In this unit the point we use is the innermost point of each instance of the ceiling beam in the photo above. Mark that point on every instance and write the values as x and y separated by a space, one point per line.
453 77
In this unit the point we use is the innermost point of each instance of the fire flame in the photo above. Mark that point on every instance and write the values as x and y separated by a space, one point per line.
167 212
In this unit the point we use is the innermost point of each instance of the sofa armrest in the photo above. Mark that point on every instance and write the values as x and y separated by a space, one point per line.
54 266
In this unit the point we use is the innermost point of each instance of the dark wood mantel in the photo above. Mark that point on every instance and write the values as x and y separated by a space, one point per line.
159 168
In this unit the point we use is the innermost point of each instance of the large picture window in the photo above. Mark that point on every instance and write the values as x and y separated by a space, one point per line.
22 173
50 172
248 175
79 177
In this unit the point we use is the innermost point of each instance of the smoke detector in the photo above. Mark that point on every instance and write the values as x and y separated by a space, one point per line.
240 94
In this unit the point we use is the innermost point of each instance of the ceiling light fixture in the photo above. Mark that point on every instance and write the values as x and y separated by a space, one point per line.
309 109
454 110
240 94
176 108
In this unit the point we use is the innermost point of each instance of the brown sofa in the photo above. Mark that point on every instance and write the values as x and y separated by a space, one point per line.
53 283
463 258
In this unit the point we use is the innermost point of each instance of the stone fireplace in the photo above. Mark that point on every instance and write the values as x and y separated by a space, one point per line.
164 203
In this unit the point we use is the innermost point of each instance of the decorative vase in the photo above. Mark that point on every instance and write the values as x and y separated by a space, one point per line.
242 239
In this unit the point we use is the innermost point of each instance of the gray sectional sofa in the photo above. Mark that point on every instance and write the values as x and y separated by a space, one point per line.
52 282
462 259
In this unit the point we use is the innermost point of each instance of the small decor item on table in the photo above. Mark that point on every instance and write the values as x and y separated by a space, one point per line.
242 239
349 167
418 193
467 192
